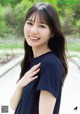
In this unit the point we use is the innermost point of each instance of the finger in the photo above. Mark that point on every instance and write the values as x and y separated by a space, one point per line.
33 78
35 72
35 67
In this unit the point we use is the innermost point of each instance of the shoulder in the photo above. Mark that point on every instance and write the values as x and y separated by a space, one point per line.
52 65
51 60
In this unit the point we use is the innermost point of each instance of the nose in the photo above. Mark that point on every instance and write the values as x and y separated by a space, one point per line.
34 30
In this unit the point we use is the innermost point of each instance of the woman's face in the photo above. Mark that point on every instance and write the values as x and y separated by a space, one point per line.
36 33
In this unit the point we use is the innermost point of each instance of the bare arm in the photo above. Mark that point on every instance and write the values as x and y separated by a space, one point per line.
15 98
25 80
46 102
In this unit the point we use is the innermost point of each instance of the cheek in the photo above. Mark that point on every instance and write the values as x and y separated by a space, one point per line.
25 33
25 30
47 34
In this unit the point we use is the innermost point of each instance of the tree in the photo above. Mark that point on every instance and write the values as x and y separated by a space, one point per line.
12 2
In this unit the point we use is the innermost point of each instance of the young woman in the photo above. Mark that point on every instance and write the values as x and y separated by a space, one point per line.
44 67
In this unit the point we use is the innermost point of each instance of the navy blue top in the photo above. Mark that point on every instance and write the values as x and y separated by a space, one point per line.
49 79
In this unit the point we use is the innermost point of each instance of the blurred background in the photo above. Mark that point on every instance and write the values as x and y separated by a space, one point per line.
12 16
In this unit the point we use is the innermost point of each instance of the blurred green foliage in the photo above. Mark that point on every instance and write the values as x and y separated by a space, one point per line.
11 2
12 15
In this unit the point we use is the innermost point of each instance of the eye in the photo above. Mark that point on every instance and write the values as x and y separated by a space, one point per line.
42 26
29 23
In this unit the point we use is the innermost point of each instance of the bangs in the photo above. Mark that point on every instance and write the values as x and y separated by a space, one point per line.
37 16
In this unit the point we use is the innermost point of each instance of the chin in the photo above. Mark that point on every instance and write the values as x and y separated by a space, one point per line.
32 45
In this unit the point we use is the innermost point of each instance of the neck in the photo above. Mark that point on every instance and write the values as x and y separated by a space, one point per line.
38 51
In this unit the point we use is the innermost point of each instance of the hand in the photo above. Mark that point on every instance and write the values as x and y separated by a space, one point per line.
29 76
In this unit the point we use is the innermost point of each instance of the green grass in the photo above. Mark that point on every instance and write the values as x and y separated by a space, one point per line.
11 43
11 46
73 46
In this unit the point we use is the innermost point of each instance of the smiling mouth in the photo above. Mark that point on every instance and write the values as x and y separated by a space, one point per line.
34 37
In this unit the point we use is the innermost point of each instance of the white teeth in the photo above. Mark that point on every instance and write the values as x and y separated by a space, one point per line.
33 38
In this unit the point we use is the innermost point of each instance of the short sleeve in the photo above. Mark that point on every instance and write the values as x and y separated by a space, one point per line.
50 77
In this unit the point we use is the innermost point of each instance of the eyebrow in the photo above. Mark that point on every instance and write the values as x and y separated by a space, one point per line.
34 21
30 20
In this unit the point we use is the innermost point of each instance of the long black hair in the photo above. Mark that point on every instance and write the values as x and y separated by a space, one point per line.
57 43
